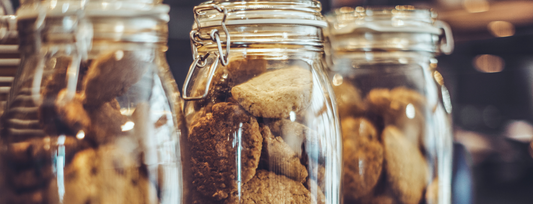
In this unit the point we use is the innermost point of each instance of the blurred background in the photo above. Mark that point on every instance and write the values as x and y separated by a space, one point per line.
490 78
489 75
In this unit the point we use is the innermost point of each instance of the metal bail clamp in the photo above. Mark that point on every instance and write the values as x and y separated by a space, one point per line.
200 61
447 46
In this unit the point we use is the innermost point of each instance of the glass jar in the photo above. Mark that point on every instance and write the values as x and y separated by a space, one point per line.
261 120
91 125
393 106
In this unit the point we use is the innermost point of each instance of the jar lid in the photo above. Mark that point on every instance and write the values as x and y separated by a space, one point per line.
295 12
392 28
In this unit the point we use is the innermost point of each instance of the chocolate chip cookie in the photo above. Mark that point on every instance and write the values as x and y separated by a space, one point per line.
268 187
215 141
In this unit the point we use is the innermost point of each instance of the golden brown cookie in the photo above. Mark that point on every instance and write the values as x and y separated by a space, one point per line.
80 180
317 172
280 158
268 187
405 166
64 116
112 74
432 192
215 141
316 191
237 71
293 133
277 93
362 156
379 199
349 100
403 108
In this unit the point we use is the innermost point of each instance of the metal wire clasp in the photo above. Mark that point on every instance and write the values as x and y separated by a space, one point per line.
200 60
447 42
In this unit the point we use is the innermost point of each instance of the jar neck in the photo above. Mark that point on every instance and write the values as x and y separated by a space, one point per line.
54 33
363 59
386 41
129 29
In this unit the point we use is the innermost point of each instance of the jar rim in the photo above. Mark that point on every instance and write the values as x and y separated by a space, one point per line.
210 13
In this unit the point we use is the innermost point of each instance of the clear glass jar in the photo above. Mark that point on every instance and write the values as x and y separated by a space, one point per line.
261 121
394 109
86 125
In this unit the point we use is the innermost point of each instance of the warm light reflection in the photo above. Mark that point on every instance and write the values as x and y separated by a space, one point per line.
489 63
476 6
438 78
292 116
80 135
119 54
337 80
410 111
127 126
501 28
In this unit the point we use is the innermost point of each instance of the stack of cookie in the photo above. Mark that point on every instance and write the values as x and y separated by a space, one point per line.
248 142
76 146
383 135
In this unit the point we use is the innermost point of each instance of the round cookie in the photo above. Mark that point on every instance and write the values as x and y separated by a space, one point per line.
113 73
403 108
268 187
215 141
106 122
362 156
280 158
277 93
405 166
236 72
348 98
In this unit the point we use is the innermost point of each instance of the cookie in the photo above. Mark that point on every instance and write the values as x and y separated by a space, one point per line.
405 166
432 192
29 179
280 158
316 191
57 81
122 177
379 199
215 142
349 100
358 128
268 187
39 150
237 71
362 156
363 163
113 73
293 133
403 108
80 180
33 197
106 122
317 172
277 93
